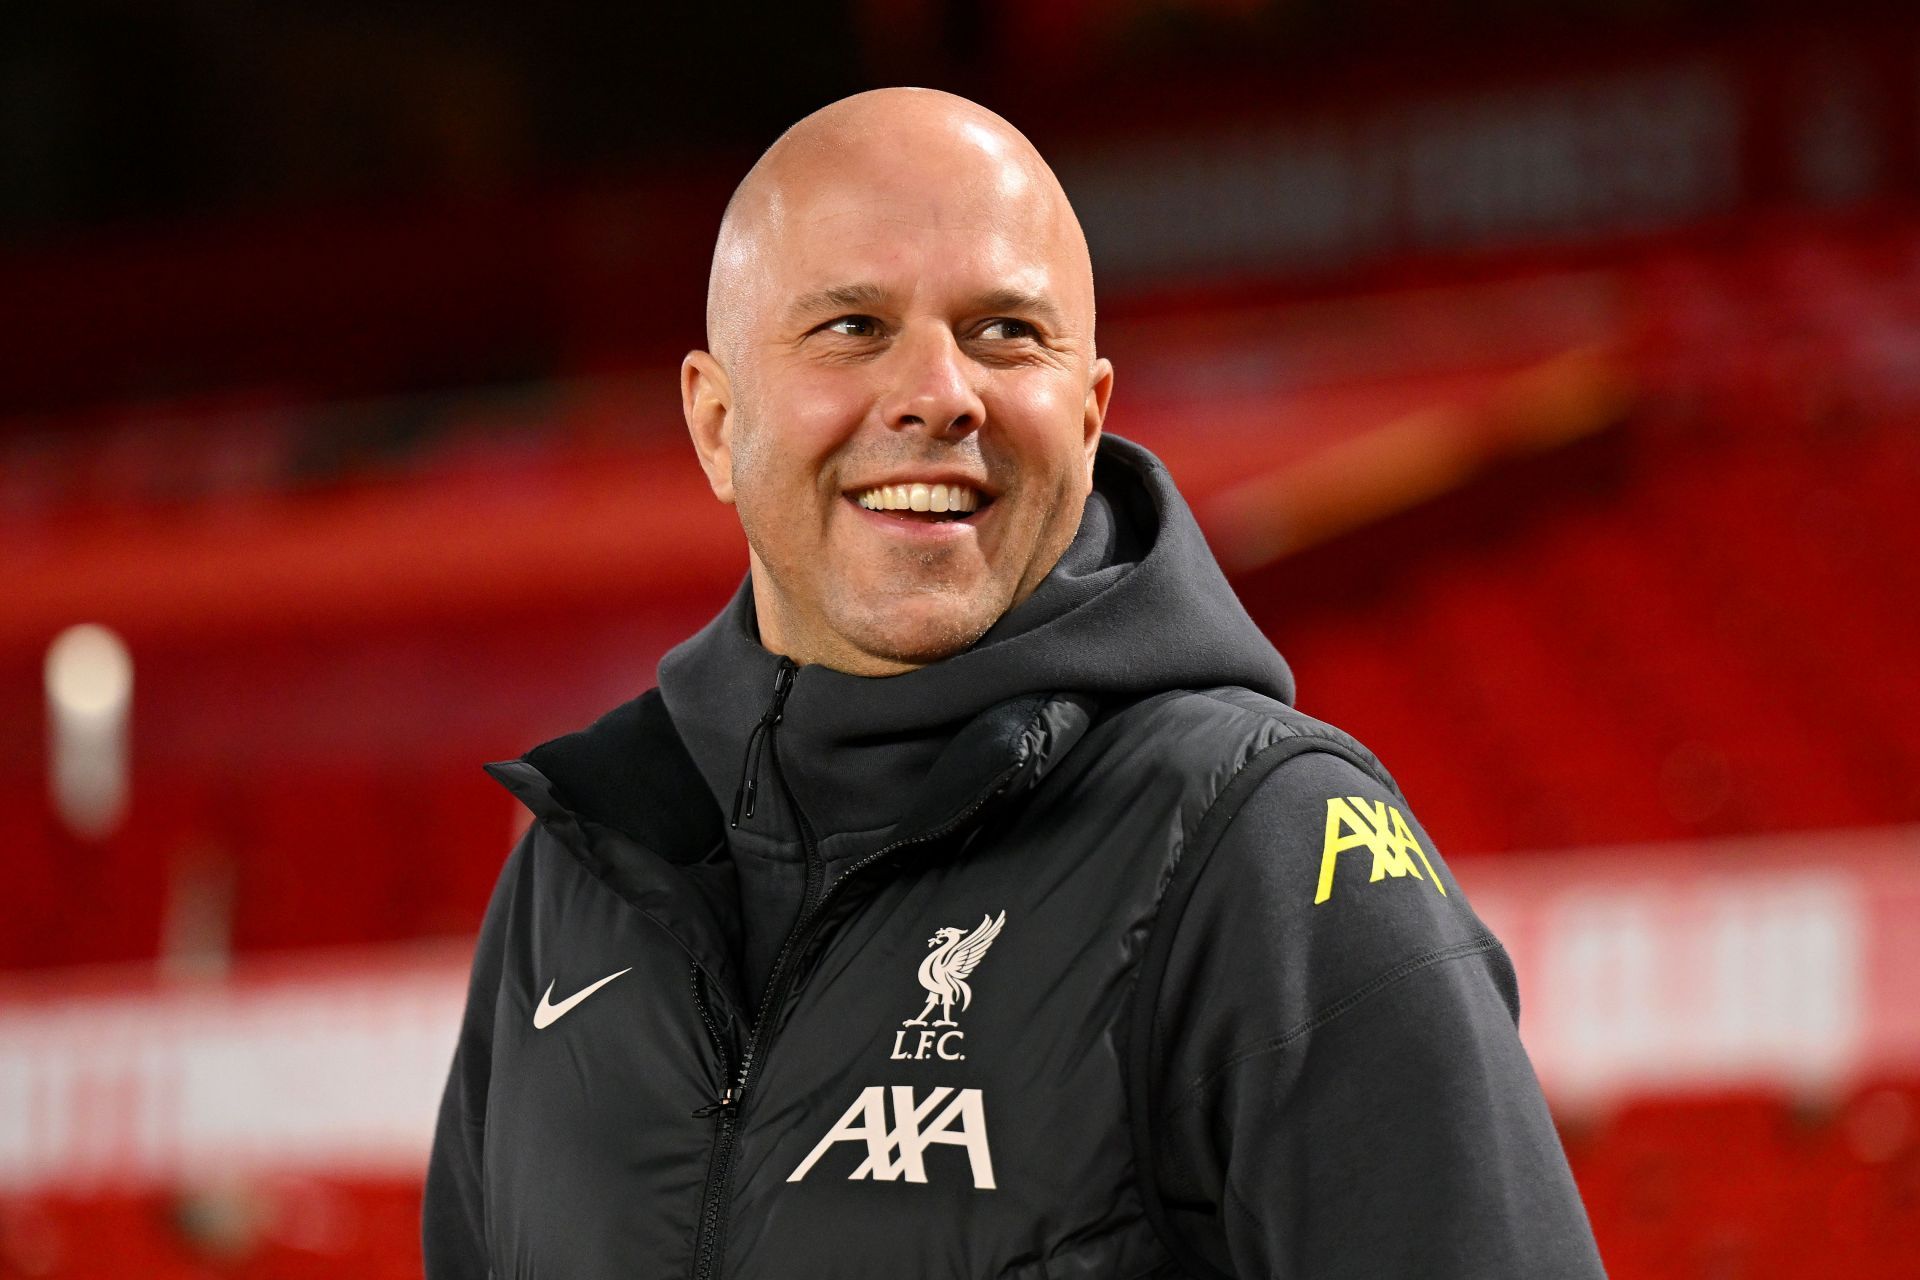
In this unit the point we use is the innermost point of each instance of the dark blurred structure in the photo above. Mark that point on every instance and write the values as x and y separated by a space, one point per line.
1549 382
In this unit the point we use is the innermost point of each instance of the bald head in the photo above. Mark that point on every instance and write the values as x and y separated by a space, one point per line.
896 154
900 396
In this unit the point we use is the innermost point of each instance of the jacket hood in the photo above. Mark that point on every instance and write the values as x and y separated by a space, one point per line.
1137 605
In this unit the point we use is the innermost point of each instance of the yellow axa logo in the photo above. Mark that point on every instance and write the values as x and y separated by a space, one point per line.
1377 827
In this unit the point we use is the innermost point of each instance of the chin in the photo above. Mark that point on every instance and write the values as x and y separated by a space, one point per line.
921 635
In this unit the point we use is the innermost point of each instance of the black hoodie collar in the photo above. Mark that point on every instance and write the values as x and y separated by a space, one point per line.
1136 606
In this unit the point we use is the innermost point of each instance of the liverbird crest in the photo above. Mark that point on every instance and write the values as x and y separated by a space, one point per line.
955 955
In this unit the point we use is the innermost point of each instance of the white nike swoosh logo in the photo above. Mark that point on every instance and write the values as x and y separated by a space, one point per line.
548 1013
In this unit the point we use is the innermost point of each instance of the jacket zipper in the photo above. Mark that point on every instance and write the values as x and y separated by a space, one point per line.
727 1105
725 1101
707 1262
722 1158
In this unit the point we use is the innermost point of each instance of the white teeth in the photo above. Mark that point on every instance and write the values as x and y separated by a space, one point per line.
921 497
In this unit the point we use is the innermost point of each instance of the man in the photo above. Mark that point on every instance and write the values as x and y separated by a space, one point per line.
968 900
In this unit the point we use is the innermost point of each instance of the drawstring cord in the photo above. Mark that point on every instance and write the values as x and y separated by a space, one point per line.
743 796
749 773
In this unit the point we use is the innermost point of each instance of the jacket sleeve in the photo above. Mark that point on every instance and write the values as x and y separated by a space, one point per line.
1340 1086
452 1215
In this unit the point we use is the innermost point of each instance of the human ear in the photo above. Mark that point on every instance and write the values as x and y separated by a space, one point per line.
1099 392
706 399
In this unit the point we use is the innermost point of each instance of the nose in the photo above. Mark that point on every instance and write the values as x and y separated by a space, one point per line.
932 385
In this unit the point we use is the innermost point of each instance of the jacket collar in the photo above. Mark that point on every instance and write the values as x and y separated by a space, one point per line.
1136 605
617 772
626 799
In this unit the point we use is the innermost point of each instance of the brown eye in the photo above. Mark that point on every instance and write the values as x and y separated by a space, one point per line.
854 326
1007 330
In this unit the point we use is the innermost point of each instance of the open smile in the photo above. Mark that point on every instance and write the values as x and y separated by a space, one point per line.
922 506
917 498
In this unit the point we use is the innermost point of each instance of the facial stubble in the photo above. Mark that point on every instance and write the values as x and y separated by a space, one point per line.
881 620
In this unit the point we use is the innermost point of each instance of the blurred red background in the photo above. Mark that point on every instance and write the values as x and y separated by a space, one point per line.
1549 385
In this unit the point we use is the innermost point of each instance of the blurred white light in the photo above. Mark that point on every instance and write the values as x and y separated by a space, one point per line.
89 671
89 679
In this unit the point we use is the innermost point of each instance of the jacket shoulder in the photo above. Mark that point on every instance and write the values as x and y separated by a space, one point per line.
1237 728
1308 863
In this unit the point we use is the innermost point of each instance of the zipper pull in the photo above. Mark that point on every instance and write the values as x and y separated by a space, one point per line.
743 795
725 1104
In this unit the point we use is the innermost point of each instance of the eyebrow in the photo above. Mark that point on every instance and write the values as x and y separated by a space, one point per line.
1018 303
839 297
855 297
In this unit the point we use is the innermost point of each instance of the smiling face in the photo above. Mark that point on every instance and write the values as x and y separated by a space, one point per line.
903 398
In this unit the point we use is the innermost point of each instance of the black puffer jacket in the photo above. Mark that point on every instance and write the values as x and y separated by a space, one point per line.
1080 954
